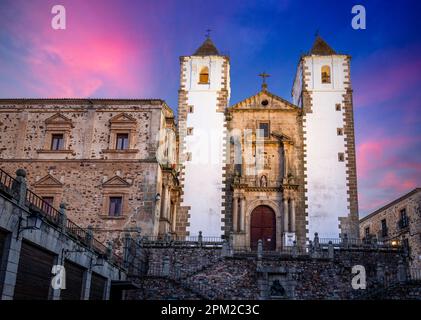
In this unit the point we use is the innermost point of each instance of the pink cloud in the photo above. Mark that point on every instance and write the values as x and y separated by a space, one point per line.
93 55
392 181
386 75
387 168
376 152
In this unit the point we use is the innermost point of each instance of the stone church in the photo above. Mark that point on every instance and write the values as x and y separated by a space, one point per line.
264 168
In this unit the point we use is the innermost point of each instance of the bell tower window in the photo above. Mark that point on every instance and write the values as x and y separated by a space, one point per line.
204 76
325 74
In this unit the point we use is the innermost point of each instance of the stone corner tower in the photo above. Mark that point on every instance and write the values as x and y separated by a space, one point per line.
203 97
322 88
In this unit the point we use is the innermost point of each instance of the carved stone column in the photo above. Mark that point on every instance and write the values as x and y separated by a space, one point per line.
243 214
235 214
174 217
286 162
292 215
286 229
163 201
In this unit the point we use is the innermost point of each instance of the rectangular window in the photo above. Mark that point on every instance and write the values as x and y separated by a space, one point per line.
57 142
403 222
191 109
47 204
367 232
188 156
115 206
338 107
384 228
340 131
122 141
264 127
341 157
406 246
189 131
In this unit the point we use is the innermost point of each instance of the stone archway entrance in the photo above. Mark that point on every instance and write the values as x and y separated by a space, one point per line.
263 226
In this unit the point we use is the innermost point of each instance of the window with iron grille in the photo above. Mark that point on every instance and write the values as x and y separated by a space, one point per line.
384 228
367 232
404 221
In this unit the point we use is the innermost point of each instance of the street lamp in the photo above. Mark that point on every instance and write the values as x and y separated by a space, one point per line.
33 222
100 260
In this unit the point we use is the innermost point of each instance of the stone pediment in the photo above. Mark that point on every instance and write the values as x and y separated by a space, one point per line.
264 100
282 137
116 181
48 181
58 119
123 118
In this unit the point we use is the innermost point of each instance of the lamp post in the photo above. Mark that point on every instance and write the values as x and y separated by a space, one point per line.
33 222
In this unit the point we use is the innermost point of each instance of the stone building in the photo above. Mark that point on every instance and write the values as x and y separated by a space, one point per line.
112 162
323 90
398 220
269 169
203 98
265 171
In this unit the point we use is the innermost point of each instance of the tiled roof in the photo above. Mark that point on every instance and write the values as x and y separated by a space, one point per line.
321 48
207 49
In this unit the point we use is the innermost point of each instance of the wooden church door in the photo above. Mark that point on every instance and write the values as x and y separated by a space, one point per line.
263 226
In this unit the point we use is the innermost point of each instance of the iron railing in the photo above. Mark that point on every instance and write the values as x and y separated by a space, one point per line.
7 183
9 186
76 232
414 274
370 242
35 202
194 241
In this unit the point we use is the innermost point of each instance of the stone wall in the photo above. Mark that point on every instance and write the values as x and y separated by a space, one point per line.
90 169
83 191
57 243
391 213
244 276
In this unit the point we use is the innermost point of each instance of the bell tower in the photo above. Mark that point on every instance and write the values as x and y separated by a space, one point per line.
322 88
203 97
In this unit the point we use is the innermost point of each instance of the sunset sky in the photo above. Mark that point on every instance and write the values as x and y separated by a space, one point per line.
130 49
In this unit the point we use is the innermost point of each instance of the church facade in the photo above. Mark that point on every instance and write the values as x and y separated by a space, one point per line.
281 171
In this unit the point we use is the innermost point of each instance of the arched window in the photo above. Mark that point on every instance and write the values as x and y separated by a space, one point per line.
204 76
325 74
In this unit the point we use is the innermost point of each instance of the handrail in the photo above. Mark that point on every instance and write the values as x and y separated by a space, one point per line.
53 216
6 182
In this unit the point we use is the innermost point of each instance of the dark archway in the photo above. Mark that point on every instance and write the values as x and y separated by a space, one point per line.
263 226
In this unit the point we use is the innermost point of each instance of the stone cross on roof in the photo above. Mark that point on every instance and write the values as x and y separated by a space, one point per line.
264 75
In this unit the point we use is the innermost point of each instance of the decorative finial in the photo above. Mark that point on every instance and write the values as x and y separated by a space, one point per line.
264 75
317 33
207 35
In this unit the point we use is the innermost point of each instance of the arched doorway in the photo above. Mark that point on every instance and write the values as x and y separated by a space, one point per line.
263 226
